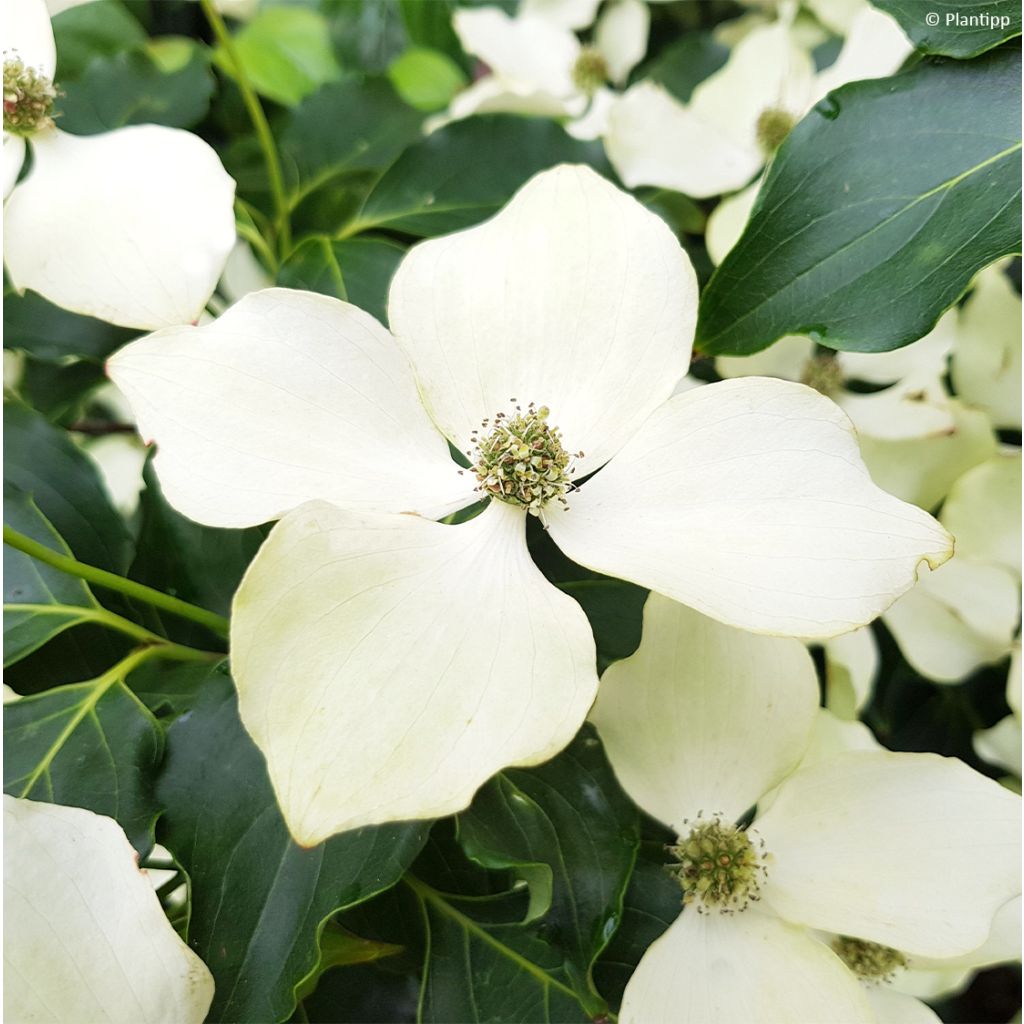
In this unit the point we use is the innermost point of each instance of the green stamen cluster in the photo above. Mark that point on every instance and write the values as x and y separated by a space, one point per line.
718 867
28 98
590 71
772 128
521 459
870 961
824 374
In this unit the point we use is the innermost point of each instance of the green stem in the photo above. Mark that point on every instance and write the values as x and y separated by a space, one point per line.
65 563
259 122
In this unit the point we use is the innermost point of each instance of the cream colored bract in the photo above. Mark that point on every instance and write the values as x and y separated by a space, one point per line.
909 851
387 665
85 937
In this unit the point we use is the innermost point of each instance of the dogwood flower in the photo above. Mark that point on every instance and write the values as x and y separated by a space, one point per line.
966 613
737 117
388 664
894 855
85 937
132 226
1001 743
537 64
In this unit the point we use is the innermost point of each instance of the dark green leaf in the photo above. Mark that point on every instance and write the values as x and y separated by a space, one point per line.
615 610
49 332
42 461
169 688
86 31
133 88
475 973
567 829
199 564
681 67
877 212
358 270
430 25
285 52
223 826
60 391
353 125
90 745
962 28
39 602
426 79
465 172
652 903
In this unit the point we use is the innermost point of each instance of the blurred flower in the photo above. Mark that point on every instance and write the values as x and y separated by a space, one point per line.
131 226
966 613
893 856
71 878
1001 744
737 117
537 65
440 652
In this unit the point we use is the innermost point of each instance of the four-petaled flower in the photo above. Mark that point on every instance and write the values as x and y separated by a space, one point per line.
387 664
898 856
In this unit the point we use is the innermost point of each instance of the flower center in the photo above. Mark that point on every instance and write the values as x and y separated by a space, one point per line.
28 98
719 866
870 961
520 459
590 71
823 373
772 128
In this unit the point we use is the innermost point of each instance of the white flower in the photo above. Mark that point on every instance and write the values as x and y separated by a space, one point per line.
1001 744
986 364
132 226
537 65
388 664
736 117
911 400
966 613
901 854
85 938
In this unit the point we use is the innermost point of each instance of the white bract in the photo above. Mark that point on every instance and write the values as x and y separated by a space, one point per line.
85 937
737 117
900 854
388 664
1001 744
132 226
966 613
537 65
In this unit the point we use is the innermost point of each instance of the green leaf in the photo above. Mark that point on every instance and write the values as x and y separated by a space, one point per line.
963 29
358 270
99 29
567 829
65 485
652 902
340 948
199 564
170 688
426 79
60 391
466 171
91 745
430 25
353 125
877 212
285 52
259 901
48 332
133 88
683 65
615 610
475 973
39 601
